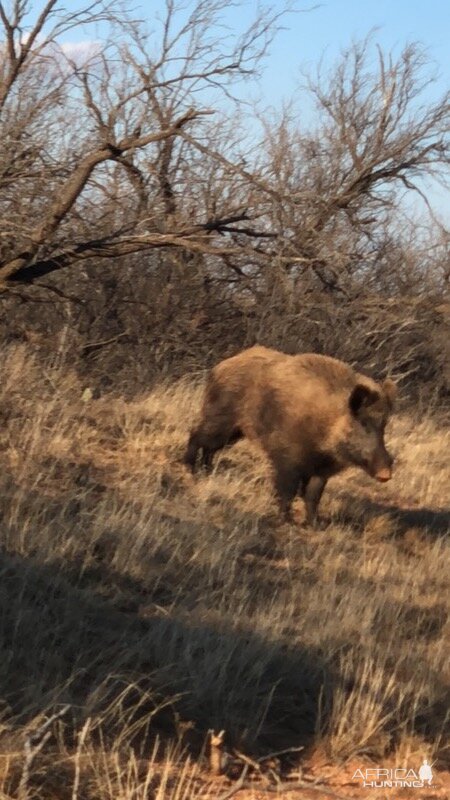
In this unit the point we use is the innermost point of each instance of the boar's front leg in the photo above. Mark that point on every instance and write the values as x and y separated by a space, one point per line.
287 480
312 492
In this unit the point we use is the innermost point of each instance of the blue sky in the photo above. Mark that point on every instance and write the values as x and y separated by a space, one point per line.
332 26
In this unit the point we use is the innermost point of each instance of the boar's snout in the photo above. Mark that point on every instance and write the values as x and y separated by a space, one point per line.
382 468
384 474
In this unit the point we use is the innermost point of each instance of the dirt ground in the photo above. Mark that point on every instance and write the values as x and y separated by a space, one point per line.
325 782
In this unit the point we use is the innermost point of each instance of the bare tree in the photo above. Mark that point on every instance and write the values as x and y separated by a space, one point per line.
132 160
94 145
337 186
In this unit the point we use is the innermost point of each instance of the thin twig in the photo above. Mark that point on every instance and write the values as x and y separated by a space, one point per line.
34 743
104 342
280 753
81 737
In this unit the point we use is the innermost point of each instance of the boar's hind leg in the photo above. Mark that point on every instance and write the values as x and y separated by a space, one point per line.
312 492
193 446
216 442
209 442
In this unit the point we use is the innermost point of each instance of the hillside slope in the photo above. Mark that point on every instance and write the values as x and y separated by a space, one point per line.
158 606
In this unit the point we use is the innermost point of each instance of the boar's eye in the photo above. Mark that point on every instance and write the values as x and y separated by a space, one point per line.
366 423
373 423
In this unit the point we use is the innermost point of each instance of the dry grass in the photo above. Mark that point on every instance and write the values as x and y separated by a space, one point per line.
158 606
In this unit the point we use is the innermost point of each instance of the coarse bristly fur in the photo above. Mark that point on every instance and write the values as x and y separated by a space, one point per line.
312 414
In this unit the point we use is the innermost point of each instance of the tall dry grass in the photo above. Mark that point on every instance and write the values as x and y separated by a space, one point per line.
156 606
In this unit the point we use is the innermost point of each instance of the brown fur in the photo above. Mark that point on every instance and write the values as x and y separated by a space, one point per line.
312 414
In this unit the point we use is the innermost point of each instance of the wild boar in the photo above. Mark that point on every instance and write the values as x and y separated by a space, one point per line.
313 415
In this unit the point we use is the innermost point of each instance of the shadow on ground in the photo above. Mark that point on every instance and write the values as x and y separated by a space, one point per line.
144 658
65 644
432 523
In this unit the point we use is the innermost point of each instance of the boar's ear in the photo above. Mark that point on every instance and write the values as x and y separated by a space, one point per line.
361 397
390 390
